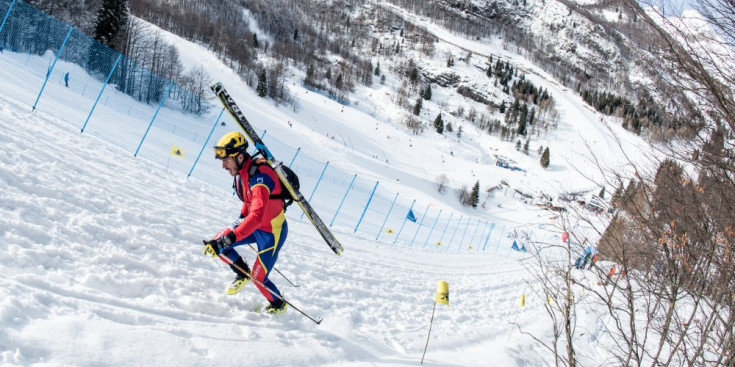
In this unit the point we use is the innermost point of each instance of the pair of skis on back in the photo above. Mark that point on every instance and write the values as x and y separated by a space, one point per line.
277 166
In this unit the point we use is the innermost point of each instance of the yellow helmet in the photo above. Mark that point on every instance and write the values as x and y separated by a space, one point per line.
230 145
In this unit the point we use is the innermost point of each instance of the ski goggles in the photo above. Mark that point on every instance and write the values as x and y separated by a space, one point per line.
224 152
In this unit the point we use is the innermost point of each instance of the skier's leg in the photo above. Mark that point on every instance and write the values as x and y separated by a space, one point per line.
269 246
233 255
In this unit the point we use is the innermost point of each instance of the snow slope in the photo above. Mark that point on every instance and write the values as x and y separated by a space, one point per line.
101 256
102 265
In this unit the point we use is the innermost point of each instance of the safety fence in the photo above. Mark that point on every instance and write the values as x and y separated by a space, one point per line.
56 68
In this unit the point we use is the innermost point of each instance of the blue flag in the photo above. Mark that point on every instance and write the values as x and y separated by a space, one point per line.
515 246
410 216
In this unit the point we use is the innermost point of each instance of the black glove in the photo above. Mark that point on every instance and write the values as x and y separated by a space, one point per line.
213 247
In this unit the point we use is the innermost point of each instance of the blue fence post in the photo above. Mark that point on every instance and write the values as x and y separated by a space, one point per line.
263 136
315 186
48 72
432 227
101 91
492 226
206 141
420 224
455 232
404 221
501 237
343 199
386 217
6 15
474 234
445 227
464 234
366 206
481 233
154 118
294 156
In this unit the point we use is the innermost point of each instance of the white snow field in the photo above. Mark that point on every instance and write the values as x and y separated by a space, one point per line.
101 256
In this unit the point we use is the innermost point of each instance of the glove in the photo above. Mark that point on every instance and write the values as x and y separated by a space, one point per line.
213 247
217 245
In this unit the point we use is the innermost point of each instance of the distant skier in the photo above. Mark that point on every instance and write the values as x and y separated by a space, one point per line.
590 253
262 219
66 80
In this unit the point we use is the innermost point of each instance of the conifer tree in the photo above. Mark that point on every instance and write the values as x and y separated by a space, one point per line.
262 88
439 124
427 93
545 158
111 19
475 194
449 127
417 107
255 40
414 77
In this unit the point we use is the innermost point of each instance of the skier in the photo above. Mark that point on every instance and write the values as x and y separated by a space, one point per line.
262 219
66 80
589 253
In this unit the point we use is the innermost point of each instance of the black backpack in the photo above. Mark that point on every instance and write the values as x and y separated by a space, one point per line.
291 176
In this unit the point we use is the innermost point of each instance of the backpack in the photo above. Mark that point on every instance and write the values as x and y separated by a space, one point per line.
291 176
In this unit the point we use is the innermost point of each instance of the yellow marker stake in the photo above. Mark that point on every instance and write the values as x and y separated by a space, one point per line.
523 300
442 293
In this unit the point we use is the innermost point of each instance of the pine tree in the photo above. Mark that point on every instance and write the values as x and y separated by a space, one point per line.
525 146
449 127
414 77
262 88
602 193
417 107
111 19
427 93
521 128
439 124
459 132
545 158
255 40
377 69
475 195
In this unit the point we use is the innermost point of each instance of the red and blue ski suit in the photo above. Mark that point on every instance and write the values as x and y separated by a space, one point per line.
263 221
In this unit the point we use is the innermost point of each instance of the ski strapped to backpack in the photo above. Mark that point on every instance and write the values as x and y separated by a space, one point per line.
278 167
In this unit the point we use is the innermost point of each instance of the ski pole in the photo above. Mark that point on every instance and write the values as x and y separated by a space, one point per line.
277 271
250 276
